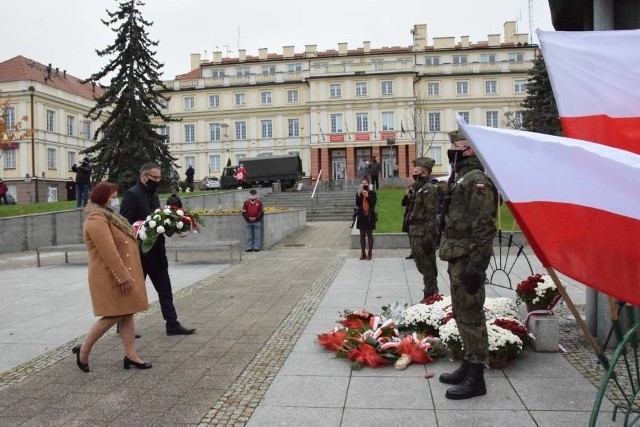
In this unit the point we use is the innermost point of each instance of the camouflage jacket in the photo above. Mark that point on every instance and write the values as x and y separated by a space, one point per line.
471 217
422 218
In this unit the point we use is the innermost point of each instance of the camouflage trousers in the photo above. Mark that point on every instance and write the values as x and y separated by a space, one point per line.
469 314
424 254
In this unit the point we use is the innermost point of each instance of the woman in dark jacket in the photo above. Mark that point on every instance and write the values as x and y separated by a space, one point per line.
366 220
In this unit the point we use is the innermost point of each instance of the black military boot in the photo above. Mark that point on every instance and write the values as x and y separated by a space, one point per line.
472 385
456 376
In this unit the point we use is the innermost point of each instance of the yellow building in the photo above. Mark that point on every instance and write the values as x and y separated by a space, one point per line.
37 168
340 107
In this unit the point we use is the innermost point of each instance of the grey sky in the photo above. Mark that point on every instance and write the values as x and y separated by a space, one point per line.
66 33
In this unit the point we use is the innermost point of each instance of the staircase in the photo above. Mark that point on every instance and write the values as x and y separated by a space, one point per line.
327 205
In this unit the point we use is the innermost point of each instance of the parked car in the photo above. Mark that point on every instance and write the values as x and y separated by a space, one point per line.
210 183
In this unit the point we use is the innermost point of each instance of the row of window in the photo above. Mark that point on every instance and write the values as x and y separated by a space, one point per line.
71 129
240 130
240 99
490 87
464 59
245 71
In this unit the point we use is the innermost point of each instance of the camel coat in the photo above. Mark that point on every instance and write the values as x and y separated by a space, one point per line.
113 259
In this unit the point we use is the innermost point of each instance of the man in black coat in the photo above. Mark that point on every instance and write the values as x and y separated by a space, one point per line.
138 202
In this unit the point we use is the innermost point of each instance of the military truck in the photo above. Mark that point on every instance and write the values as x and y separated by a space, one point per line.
264 171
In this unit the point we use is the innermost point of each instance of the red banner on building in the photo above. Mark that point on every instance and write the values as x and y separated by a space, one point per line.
362 137
336 137
387 134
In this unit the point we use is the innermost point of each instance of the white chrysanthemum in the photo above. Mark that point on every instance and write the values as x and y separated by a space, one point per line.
179 225
157 210
157 217
167 221
449 333
431 314
152 224
167 210
142 233
500 337
500 307
180 212
148 217
160 229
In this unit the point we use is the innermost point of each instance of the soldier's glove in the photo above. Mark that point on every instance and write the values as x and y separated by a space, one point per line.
474 273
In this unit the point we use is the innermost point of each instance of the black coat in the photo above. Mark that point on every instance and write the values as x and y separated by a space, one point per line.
137 204
367 222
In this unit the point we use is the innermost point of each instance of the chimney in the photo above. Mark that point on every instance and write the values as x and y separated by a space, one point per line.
262 53
217 57
242 55
287 51
464 41
494 40
342 49
419 37
509 31
195 61
366 46
310 50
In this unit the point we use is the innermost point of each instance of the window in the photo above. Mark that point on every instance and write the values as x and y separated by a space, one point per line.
492 119
189 161
294 127
51 121
71 125
388 120
520 85
490 87
265 154
460 59
239 157
86 129
435 152
164 132
241 130
362 122
386 87
464 115
361 88
9 159
462 88
267 128
214 163
243 71
336 123
485 57
518 119
214 131
189 133
335 90
240 99
217 73
51 158
433 88
516 57
268 69
164 104
9 116
434 122
432 60
265 98
214 101
71 159
292 95
292 68
189 102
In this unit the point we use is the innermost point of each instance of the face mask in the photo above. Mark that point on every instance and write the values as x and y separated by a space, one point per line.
454 156
152 185
365 187
115 204
416 176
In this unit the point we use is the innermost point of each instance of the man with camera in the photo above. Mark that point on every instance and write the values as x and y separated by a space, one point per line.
83 181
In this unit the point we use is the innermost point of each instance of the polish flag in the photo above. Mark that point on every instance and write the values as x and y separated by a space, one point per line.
576 201
595 77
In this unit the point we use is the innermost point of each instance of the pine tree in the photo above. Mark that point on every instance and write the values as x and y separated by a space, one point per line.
540 112
127 137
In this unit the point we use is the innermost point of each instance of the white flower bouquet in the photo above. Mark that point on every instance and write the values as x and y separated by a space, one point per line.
166 221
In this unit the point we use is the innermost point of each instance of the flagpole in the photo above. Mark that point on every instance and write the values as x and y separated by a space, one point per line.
581 323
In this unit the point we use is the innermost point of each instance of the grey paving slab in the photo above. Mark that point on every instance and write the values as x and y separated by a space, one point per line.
307 391
282 416
485 418
573 418
385 417
389 392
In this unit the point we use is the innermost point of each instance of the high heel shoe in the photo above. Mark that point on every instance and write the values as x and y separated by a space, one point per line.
128 363
83 366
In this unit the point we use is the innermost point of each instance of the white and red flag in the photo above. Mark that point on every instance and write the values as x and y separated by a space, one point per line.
577 202
595 77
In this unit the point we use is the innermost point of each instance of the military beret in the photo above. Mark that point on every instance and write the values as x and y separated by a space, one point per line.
456 136
425 162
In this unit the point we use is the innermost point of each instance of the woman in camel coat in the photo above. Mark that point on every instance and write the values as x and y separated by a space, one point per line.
116 281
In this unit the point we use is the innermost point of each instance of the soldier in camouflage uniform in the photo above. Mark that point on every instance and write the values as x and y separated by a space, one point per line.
467 244
423 233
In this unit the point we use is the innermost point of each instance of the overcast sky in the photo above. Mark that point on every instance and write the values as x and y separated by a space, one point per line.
66 33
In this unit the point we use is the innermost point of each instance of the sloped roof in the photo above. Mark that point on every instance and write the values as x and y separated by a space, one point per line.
20 68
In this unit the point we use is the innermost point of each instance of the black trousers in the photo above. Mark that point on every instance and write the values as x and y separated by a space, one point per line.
162 282
374 182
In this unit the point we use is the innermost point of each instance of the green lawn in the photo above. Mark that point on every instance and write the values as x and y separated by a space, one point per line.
391 213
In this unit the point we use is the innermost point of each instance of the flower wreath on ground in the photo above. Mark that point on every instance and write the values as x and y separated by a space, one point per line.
537 291
168 221
420 333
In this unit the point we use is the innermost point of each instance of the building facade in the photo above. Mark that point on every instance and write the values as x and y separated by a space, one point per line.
338 108
53 103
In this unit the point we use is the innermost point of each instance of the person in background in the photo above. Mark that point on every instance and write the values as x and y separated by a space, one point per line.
374 169
139 202
362 170
252 212
3 192
189 173
423 232
83 181
366 222
116 281
241 176
467 245
70 186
